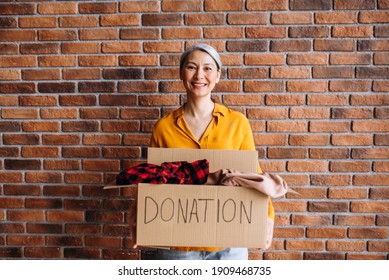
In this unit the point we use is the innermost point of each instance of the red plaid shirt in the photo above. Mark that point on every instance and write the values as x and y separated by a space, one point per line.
178 172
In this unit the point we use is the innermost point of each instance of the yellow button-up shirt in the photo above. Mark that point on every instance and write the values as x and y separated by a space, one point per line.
228 130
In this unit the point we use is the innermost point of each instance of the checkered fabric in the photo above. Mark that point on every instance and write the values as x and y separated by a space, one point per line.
178 172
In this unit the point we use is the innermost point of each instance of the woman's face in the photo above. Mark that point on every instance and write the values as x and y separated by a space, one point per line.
199 74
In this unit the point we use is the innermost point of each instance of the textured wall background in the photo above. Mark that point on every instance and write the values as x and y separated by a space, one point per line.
82 83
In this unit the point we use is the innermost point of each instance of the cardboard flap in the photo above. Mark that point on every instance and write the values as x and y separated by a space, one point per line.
244 161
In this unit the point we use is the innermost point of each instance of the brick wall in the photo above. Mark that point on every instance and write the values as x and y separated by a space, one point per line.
82 83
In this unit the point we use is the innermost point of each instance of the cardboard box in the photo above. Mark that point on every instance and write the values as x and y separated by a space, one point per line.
202 215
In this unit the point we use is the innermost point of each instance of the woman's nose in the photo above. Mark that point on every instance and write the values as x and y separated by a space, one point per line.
199 73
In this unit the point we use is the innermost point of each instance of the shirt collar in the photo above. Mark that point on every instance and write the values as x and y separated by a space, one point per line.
218 110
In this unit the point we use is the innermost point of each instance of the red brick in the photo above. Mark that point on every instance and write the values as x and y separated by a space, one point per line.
161 19
334 45
264 59
309 140
38 22
26 240
310 4
19 114
133 60
80 152
345 245
43 177
354 139
369 207
79 48
246 18
223 32
21 139
292 18
356 256
267 113
79 21
99 34
98 8
221 5
266 32
121 47
93 61
82 253
120 20
330 180
285 100
354 5
59 61
380 166
368 233
77 100
336 17
205 19
378 246
153 100
319 232
336 153
372 180
376 45
122 126
57 8
370 126
329 126
80 126
106 139
17 61
40 151
305 245
347 193
350 59
269 140
55 190
17 35
26 215
307 166
181 6
286 153
144 86
354 220
247 73
57 35
349 166
10 74
120 152
374 17
311 219
140 6
43 252
309 113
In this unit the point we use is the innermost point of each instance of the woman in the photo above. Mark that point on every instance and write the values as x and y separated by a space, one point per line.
203 124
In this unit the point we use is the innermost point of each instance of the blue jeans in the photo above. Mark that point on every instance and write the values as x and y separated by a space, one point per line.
226 254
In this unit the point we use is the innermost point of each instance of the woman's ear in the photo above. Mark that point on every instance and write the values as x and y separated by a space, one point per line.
219 72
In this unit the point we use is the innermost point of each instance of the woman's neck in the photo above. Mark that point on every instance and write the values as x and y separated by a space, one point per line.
199 108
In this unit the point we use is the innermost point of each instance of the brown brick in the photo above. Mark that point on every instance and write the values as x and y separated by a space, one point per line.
26 215
307 59
122 126
370 207
354 220
79 48
376 45
307 166
306 86
81 253
99 34
81 74
77 100
246 18
93 61
310 4
80 126
62 139
20 139
380 166
334 45
260 86
19 114
238 99
98 8
44 228
337 153
330 180
247 46
284 100
285 126
368 233
204 19
286 153
369 100
96 87
290 46
50 74
373 17
118 100
17 35
370 126
311 219
327 206
378 246
67 190
308 32
335 17
162 73
84 178
40 151
22 164
57 35
354 5
120 20
352 113
161 19
377 72
305 245
144 86
134 60
267 113
43 177
223 32
121 152
266 32
372 180
10 74
345 245
181 6
8 22
309 140
105 113
247 73
9 48
43 252
292 18
355 139
381 58
309 113
220 5
80 152
350 59
349 166
67 113
347 193
10 126
15 61
264 59
140 34
40 126
38 22
140 6
83 229
79 21
319 232
153 100
59 61
121 47
26 240
350 86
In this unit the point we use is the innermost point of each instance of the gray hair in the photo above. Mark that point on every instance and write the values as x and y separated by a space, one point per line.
201 47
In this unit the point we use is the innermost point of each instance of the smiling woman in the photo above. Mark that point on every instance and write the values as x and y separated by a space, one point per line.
203 124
